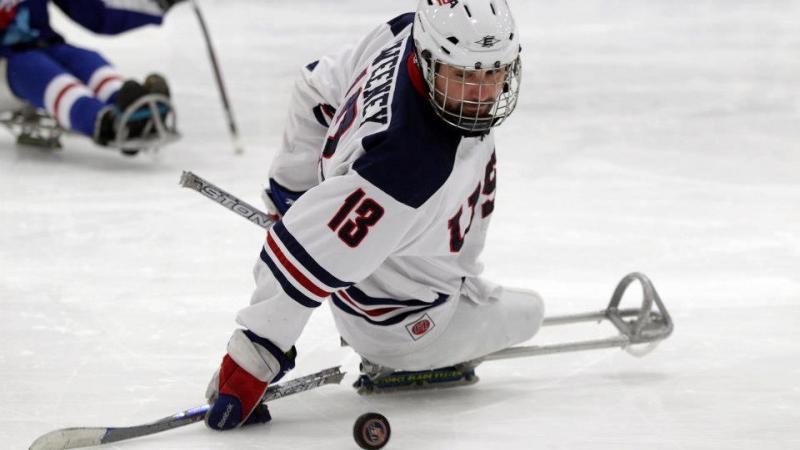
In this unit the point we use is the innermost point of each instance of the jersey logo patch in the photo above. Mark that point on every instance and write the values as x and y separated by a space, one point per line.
420 327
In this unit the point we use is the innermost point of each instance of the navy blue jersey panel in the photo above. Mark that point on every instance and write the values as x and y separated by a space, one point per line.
400 22
414 156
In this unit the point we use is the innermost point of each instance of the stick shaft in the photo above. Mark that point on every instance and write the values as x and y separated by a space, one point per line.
229 201
223 93
90 436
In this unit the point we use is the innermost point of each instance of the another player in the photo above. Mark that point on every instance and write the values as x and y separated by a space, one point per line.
78 87
385 184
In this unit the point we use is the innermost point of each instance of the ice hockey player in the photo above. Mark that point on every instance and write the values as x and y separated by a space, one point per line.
384 185
78 87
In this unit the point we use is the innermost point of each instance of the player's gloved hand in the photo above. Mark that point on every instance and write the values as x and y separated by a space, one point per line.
278 199
235 391
167 4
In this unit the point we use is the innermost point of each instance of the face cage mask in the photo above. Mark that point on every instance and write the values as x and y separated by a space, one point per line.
473 114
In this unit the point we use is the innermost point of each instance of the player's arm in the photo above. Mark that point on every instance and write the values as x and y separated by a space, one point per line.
336 234
115 16
294 168
316 97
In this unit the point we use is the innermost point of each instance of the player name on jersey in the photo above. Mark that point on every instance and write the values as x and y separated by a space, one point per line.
378 86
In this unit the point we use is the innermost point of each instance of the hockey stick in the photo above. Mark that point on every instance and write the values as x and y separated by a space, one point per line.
237 144
219 195
90 436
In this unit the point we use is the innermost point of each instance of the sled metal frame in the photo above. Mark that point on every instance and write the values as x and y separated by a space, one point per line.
33 127
649 324
159 131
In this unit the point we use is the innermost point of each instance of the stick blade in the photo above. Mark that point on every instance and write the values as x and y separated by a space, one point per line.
69 438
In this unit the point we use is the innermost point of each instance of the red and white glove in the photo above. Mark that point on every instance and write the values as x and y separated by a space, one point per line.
235 391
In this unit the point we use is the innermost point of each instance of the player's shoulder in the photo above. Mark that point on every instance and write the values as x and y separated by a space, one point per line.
413 155
392 28
401 22
408 152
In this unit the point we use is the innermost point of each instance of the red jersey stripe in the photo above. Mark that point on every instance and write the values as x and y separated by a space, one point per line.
296 274
369 312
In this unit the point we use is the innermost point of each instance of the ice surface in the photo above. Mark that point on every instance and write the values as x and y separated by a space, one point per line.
659 136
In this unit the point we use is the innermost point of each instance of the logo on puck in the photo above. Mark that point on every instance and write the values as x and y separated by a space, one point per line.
375 431
371 431
420 327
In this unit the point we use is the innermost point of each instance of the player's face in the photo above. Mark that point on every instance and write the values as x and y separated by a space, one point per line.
469 93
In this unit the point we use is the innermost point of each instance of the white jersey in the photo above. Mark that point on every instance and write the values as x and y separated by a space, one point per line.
385 207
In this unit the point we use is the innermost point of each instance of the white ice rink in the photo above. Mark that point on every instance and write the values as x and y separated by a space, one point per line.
660 136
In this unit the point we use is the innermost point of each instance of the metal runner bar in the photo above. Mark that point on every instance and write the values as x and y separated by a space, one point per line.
648 325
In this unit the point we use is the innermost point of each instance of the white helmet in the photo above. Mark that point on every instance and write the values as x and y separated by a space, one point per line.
468 52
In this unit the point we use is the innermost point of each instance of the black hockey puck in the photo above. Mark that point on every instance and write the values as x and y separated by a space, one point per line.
371 431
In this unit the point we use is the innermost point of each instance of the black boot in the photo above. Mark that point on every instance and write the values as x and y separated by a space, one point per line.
107 125
130 92
156 84
129 124
104 129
